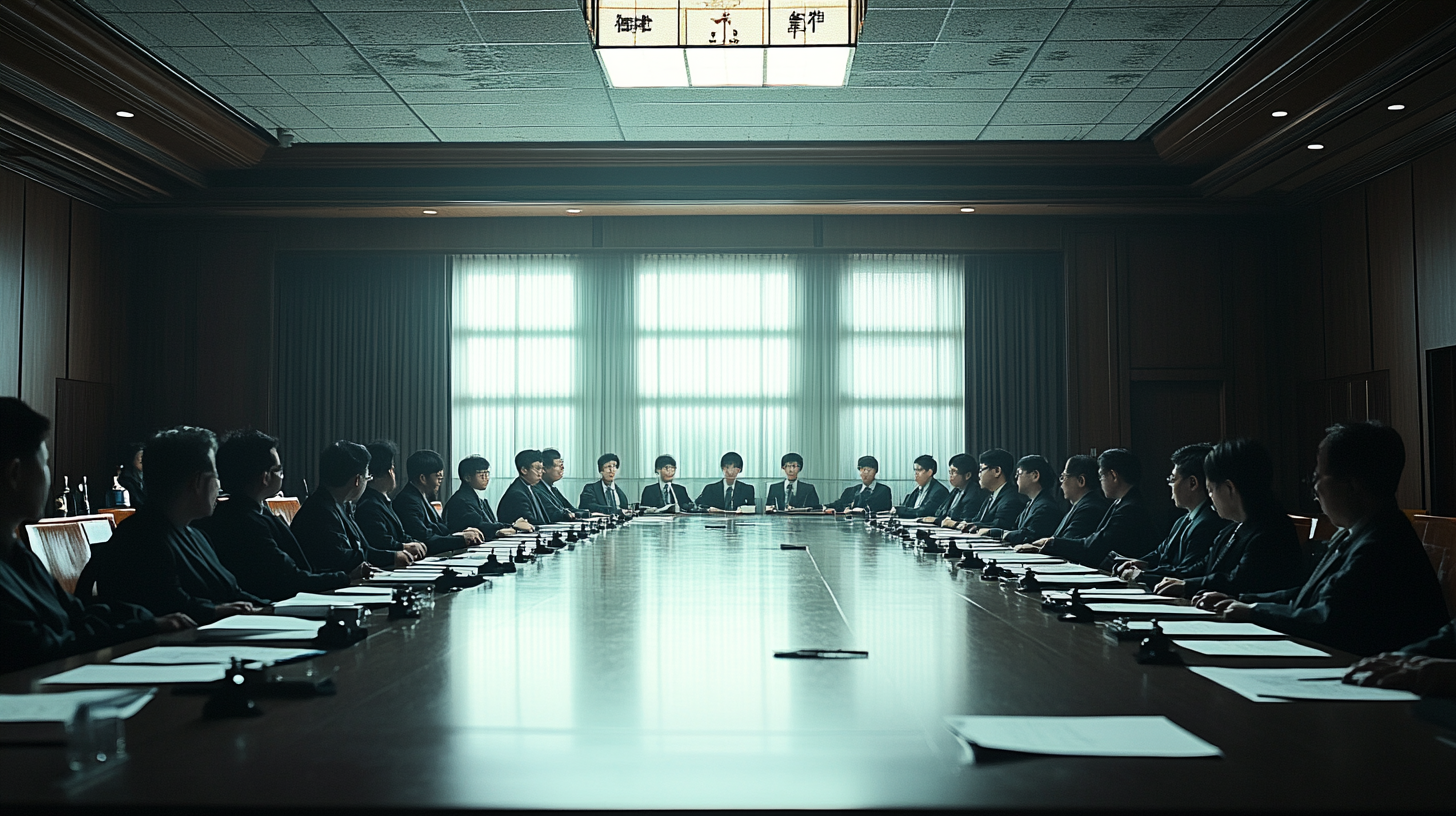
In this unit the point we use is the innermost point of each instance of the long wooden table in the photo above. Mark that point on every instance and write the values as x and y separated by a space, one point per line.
637 671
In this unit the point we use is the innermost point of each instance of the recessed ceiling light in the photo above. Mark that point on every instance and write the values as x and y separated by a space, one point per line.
1395 107
1315 147
968 209
1278 114
573 211
125 114
431 212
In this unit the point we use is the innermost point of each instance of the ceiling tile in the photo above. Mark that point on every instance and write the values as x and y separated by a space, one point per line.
1011 4
1081 79
406 28
135 30
1175 79
885 133
366 116
1234 22
890 56
290 116
524 5
1132 113
975 56
279 60
532 26
134 6
249 84
530 134
1036 132
177 29
339 98
399 135
220 60
708 134
1041 94
1051 113
1198 55
1000 25
1157 23
262 99
514 96
273 29
1106 131
477 58
495 81
1128 55
386 5
935 79
724 114
303 82
475 116
914 25
321 135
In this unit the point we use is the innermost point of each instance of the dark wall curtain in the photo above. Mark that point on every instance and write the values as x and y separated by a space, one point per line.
363 353
1016 370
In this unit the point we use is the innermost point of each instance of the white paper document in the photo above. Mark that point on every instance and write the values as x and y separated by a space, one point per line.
1150 610
459 563
1082 736
1127 592
221 655
61 707
1250 648
1201 628
1077 580
1111 596
1283 685
1034 559
260 627
308 600
114 674
1048 569
384 593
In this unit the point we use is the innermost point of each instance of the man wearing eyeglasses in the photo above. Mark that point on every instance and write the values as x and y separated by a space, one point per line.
1040 514
929 495
1002 509
325 524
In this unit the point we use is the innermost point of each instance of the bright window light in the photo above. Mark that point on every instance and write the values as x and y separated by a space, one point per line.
825 67
717 67
644 67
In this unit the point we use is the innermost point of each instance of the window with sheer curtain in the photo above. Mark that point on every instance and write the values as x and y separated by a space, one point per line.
694 355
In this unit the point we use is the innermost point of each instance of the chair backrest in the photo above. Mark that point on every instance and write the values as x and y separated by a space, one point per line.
284 507
1438 534
118 514
439 507
1303 527
1323 530
1412 514
97 527
62 546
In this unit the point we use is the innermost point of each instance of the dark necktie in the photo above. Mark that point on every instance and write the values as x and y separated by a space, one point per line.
535 503
728 498
666 494
611 492
789 495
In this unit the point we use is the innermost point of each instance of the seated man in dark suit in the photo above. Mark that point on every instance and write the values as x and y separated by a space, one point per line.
256 546
1428 668
792 493
1126 526
1187 543
1081 488
154 559
422 522
604 496
1259 551
728 494
929 495
665 493
325 526
868 496
130 476
521 499
39 620
556 505
1375 589
468 507
1001 511
1041 513
376 515
966 497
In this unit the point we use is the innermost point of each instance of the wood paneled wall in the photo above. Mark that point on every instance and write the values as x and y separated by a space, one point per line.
62 319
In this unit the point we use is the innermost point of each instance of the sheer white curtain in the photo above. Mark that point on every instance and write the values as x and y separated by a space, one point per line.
695 355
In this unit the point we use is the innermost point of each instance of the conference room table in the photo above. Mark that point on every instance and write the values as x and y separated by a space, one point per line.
637 671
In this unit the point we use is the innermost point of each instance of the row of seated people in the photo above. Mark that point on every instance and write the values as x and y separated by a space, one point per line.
175 563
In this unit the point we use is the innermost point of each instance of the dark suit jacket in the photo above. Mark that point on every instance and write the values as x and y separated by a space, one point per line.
135 484
1374 591
520 501
40 621
331 539
712 496
1259 555
261 551
1038 520
1083 518
1182 553
150 563
420 519
1125 527
805 496
1442 644
652 496
936 497
878 500
555 509
467 509
1002 511
561 500
383 527
963 504
594 498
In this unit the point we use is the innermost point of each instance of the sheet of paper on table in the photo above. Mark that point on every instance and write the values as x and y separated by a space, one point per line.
1047 569
1250 648
1082 736
116 674
1203 628
1077 580
1283 685
381 592
1122 592
61 706
311 599
221 655
1149 610
262 623
1109 596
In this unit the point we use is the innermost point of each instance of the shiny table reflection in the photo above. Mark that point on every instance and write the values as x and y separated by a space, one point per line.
638 671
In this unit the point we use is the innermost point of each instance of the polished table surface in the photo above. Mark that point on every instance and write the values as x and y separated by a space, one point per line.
638 671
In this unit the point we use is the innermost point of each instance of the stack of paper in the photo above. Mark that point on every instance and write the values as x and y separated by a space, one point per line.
1082 736
222 655
1282 685
1081 580
259 627
1206 628
115 674
42 717
1148 610
1250 648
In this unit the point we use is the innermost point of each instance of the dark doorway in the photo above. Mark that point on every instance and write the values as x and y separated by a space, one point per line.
1441 385
1166 415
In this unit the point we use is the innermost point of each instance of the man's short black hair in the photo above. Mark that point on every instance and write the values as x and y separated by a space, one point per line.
1035 463
22 429
731 458
1188 460
998 458
964 463
1084 467
927 462
549 456
242 456
471 465
1249 466
382 453
605 458
664 461
129 451
527 457
424 463
791 457
868 462
338 464
1123 462
176 455
1371 453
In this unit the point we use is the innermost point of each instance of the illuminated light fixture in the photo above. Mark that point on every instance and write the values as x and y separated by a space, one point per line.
968 209
573 211
430 212
125 114
1395 107
1279 114
725 43
1315 147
